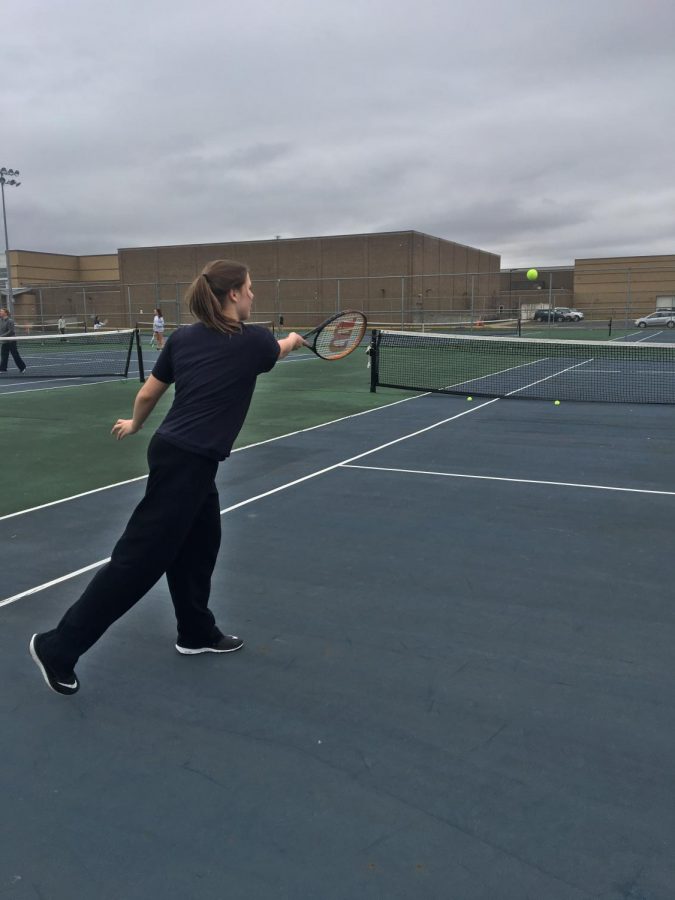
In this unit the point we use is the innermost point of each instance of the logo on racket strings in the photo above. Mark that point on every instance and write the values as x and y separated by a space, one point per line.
342 335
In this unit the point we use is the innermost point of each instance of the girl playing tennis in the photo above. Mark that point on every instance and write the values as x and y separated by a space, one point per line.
158 329
175 529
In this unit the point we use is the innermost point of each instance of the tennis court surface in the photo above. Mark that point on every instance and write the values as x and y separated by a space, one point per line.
458 678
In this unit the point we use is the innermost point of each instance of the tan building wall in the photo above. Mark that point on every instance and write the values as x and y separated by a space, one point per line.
626 286
100 267
304 279
31 268
394 277
77 287
467 280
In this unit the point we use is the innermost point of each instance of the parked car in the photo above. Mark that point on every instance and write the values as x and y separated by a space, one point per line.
546 315
663 317
569 314
559 314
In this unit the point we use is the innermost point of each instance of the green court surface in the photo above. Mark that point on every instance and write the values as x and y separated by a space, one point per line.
57 443
565 332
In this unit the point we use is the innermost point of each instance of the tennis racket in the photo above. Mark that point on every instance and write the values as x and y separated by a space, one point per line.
338 336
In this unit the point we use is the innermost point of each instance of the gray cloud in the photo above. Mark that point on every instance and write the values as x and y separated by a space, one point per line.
540 132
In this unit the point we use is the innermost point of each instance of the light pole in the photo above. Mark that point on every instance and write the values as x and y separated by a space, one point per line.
12 181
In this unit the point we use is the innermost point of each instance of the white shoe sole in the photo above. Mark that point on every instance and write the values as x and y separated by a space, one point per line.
38 663
186 651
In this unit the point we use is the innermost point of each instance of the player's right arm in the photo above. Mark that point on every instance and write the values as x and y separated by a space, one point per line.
293 342
145 402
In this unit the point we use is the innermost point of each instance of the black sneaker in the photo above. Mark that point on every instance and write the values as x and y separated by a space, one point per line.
58 680
225 644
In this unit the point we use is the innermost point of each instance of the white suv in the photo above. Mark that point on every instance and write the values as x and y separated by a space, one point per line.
660 317
570 315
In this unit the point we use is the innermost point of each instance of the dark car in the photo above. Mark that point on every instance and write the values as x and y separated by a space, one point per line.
547 315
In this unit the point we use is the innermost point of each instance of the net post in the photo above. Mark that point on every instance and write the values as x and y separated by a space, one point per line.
129 349
372 349
609 325
139 351
520 327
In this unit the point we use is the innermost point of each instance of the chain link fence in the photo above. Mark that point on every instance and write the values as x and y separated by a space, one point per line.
38 310
601 294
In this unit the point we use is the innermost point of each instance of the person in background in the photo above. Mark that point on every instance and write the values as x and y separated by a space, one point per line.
8 330
97 323
158 329
62 325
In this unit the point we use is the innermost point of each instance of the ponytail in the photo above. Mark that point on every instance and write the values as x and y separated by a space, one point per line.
207 293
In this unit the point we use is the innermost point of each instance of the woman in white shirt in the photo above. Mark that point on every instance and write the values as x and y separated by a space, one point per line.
158 329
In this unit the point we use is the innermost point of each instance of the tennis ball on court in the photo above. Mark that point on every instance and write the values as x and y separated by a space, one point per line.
532 274
469 398
556 402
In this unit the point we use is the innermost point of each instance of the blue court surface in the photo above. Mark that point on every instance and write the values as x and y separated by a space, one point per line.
458 679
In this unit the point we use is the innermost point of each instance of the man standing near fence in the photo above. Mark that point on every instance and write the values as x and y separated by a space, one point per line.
7 330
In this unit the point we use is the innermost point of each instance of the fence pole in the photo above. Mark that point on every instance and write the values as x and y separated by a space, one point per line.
471 315
628 298
84 306
402 302
551 317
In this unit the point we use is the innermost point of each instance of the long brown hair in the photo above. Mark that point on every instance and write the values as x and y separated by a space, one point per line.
208 292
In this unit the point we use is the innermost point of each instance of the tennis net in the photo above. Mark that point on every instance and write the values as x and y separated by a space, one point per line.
479 327
523 367
53 328
147 336
86 355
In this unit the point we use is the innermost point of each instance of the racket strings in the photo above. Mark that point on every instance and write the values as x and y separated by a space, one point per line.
341 336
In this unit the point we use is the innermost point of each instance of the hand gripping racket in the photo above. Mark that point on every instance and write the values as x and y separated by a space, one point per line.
338 336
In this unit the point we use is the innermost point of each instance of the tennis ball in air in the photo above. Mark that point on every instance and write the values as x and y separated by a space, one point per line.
556 402
532 274
469 398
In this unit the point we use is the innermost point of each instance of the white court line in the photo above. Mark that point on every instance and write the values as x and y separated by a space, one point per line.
276 490
31 389
645 337
279 437
59 387
573 484
107 487
521 366
554 375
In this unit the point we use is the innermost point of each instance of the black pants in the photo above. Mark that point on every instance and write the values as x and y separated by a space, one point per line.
175 529
6 348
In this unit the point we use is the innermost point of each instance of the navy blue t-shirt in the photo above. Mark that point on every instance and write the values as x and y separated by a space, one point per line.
215 375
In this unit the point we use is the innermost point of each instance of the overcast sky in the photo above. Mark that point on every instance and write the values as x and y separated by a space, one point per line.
539 130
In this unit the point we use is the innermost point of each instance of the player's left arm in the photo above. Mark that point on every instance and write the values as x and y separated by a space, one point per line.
145 402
